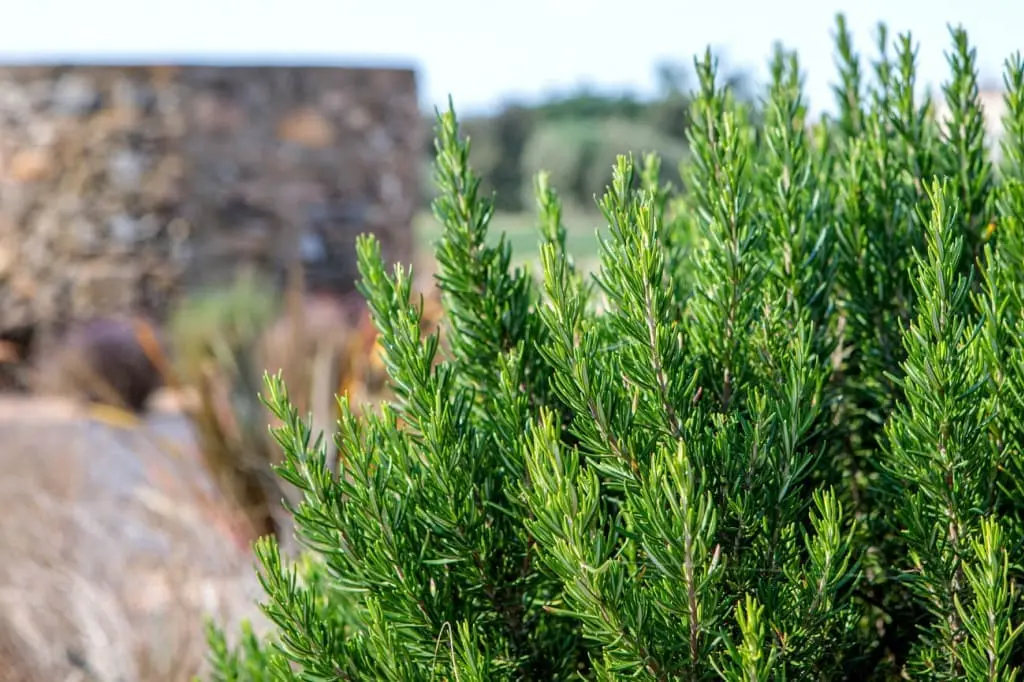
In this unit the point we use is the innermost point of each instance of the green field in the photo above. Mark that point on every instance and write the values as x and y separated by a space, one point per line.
520 230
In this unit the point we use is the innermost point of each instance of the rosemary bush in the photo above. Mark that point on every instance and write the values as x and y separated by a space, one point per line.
776 436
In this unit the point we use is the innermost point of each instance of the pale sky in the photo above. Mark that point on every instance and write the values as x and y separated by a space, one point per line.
480 52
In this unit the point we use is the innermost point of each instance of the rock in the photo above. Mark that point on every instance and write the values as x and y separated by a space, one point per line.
7 260
75 94
311 248
125 169
116 548
99 291
84 238
215 115
31 165
306 127
123 229
108 361
133 96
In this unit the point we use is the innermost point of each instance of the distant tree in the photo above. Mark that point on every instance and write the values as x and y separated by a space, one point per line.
586 104
673 78
512 128
670 112
575 154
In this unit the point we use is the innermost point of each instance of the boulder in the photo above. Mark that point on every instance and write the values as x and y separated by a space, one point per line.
116 546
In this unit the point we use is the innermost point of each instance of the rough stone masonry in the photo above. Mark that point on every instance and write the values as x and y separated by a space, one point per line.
121 187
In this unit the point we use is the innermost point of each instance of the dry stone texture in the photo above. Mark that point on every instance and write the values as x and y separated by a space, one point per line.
120 187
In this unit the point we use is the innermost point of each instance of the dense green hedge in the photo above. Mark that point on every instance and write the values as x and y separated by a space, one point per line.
778 436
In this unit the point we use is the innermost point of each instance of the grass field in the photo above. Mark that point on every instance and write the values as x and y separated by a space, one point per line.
521 232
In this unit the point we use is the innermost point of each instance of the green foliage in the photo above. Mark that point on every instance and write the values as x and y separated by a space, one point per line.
575 153
777 435
216 337
573 135
218 322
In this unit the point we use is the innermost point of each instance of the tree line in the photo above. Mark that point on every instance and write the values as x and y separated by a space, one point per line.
573 134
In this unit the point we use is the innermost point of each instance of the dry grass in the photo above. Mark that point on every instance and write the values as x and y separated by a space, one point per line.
323 345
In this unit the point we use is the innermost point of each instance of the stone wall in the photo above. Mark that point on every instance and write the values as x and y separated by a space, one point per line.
120 186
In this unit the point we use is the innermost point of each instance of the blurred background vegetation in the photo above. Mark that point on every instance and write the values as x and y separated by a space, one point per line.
576 135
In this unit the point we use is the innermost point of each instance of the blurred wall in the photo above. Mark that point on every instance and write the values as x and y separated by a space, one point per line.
122 186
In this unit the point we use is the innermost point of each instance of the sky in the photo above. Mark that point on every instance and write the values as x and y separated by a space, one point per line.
482 53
